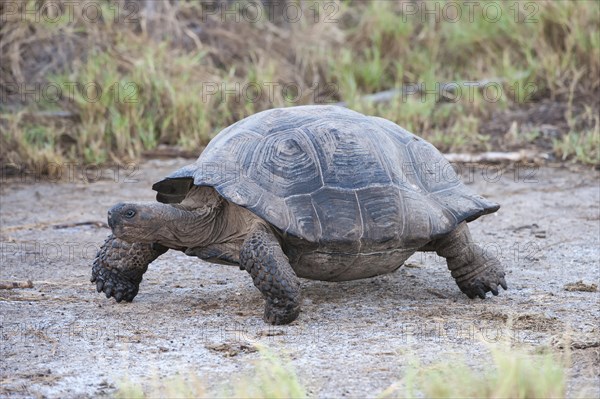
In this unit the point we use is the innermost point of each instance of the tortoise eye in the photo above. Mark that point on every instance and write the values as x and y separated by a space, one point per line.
130 213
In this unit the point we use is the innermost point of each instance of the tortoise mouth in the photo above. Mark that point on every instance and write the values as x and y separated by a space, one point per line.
114 216
126 233
117 228
111 221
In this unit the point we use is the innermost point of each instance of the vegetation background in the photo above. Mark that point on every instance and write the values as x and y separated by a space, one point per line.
99 81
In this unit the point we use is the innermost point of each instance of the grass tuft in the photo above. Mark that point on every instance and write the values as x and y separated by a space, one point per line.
512 374
270 378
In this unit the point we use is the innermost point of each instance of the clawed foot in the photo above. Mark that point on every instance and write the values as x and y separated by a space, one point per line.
485 281
119 266
278 313
112 283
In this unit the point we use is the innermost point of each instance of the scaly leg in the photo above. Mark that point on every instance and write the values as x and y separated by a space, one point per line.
119 266
475 271
263 258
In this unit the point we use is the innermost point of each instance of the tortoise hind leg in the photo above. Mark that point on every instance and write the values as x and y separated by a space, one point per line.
476 272
119 267
263 258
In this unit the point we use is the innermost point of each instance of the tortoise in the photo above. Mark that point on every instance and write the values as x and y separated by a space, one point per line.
318 192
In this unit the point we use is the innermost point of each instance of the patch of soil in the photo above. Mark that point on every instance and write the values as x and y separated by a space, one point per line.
62 339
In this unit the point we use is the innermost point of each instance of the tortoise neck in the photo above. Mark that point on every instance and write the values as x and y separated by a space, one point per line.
204 219
186 227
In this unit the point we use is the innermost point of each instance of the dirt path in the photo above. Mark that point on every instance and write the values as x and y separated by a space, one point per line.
353 339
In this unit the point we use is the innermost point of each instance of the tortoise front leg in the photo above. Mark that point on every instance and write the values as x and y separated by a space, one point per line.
261 255
476 272
119 266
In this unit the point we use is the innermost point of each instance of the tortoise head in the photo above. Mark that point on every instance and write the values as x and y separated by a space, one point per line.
194 222
136 222
172 225
151 223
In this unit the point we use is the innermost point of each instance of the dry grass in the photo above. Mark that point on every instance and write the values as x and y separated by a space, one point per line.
168 57
511 373
270 378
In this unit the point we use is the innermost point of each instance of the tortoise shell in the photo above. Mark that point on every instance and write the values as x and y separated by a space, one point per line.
326 174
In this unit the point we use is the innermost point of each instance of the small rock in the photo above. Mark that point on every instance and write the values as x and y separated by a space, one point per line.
230 350
271 333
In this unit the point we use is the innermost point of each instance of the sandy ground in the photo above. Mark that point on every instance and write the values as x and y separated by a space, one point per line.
353 339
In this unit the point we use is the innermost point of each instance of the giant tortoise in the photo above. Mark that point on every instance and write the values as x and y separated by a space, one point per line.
318 192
